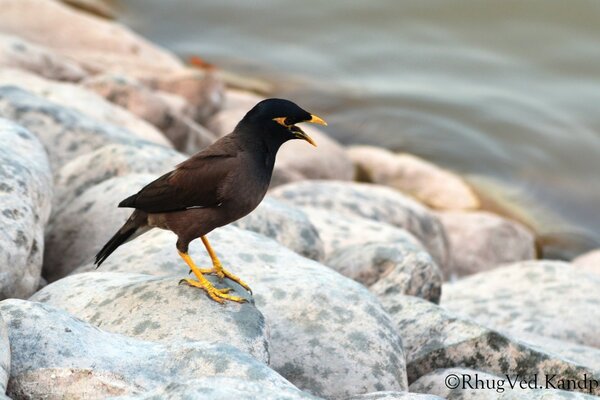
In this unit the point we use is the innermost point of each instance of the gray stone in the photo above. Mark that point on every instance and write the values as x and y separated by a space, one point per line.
287 225
435 338
387 259
373 202
394 396
56 355
481 241
489 386
86 102
4 357
25 201
18 53
329 335
544 298
158 309
65 133
589 262
71 243
222 388
109 161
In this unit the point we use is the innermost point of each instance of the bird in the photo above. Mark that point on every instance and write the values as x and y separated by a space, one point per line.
214 187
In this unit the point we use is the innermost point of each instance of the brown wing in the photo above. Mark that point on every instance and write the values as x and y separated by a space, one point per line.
195 183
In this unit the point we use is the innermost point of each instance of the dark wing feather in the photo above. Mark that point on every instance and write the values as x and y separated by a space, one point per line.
195 183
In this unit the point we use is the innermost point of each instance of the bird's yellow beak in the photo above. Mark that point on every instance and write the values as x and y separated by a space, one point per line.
315 119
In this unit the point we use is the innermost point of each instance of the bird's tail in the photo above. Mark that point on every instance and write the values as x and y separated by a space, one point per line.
135 226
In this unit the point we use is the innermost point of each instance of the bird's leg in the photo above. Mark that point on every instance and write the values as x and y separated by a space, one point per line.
218 295
218 268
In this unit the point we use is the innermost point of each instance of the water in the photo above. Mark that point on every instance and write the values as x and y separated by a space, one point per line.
505 92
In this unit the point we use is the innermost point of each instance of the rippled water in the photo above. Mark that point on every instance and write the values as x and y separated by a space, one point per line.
506 92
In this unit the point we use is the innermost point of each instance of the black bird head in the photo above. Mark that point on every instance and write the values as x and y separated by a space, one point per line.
277 118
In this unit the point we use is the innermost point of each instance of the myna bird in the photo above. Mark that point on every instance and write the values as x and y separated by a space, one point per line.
215 187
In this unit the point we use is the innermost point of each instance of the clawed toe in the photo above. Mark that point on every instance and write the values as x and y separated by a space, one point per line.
218 295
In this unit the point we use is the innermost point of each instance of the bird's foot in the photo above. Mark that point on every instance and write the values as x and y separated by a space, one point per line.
218 295
223 273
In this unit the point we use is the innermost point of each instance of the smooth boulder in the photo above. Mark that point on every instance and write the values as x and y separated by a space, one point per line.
25 202
4 357
589 262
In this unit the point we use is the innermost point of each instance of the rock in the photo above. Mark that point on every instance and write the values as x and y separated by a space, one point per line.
56 355
110 161
96 7
384 258
169 113
18 53
374 202
435 338
202 89
526 298
4 357
71 243
480 241
489 387
158 309
588 262
25 200
329 335
97 44
65 133
222 388
86 102
394 396
287 225
327 161
430 184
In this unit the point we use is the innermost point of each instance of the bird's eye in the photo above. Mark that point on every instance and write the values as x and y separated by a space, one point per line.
284 121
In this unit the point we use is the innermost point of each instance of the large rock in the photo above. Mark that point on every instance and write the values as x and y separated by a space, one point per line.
25 200
287 225
481 241
70 241
57 356
329 335
97 44
589 262
545 298
170 113
64 132
4 357
327 161
158 309
223 388
394 396
110 161
435 338
462 384
18 53
432 185
86 102
373 202
387 259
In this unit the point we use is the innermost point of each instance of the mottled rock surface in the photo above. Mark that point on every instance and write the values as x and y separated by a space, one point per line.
25 201
435 338
373 202
287 225
432 185
18 53
589 262
329 335
489 387
158 309
66 133
544 298
4 357
394 396
95 43
56 355
84 101
481 241
71 243
387 259
327 161
110 161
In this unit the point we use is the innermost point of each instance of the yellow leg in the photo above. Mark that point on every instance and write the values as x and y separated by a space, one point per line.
218 268
218 295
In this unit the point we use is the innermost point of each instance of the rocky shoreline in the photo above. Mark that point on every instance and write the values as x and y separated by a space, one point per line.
376 275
